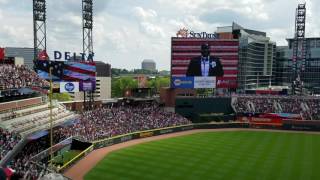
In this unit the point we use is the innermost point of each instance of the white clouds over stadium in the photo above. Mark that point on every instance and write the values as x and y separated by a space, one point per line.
128 31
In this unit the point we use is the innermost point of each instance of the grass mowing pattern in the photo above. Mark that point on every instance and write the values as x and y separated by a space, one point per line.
241 155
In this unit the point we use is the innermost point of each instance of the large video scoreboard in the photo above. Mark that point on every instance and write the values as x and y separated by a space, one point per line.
183 49
71 73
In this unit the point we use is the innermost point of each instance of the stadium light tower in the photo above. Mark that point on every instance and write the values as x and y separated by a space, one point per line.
87 43
299 47
87 26
39 27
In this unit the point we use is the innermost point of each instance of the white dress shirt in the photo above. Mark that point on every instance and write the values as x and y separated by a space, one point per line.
205 66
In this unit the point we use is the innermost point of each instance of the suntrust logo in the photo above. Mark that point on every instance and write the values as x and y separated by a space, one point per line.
203 35
185 33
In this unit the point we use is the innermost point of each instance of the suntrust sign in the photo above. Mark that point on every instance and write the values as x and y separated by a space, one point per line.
202 35
191 34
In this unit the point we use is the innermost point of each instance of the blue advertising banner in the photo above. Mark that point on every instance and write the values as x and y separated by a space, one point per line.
196 82
87 86
182 82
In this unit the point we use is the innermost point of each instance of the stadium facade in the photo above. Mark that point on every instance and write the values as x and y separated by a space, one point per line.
310 77
257 54
21 52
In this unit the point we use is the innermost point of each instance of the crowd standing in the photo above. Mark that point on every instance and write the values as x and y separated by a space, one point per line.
14 77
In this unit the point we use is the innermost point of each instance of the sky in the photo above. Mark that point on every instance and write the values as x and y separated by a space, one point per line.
128 31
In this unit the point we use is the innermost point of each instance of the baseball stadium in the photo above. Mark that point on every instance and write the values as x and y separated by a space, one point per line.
202 124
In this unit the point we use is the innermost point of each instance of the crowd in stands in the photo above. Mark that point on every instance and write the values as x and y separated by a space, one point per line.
307 107
7 141
313 107
108 122
22 163
93 125
14 77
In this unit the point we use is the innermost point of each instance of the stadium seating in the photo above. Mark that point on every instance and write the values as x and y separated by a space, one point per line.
7 141
104 122
307 107
33 119
92 125
23 117
15 77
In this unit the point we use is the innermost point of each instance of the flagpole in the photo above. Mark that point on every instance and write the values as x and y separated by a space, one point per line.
51 123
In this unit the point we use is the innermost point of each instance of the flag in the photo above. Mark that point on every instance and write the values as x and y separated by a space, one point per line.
42 56
43 67
2 54
79 71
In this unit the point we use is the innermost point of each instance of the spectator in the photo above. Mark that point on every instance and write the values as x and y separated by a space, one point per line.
97 124
7 141
306 106
15 77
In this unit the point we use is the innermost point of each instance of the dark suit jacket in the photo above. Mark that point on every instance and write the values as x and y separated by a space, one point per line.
194 68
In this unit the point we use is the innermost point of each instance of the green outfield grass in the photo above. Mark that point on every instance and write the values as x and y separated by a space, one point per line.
240 155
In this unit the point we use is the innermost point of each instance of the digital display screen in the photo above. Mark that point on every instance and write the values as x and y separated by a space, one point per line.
190 69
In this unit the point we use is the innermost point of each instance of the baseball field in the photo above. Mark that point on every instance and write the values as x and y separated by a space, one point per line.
216 155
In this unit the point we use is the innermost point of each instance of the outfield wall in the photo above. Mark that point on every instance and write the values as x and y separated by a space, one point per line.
149 133
193 107
155 132
55 148
308 125
75 159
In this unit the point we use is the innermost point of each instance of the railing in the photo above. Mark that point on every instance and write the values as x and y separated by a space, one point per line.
56 147
75 159
11 154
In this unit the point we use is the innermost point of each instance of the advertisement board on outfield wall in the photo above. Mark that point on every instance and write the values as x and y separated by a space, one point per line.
156 132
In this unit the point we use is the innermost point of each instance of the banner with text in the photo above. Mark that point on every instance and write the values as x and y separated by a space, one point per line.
196 82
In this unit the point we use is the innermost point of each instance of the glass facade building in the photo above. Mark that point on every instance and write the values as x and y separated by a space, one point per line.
257 54
310 77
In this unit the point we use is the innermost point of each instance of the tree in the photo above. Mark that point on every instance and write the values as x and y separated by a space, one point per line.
122 84
61 96
158 82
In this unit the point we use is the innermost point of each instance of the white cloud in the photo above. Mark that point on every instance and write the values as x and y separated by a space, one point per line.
4 1
278 35
144 14
152 29
183 4
128 31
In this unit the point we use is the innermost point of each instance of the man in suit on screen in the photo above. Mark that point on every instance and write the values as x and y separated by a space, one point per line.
205 65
